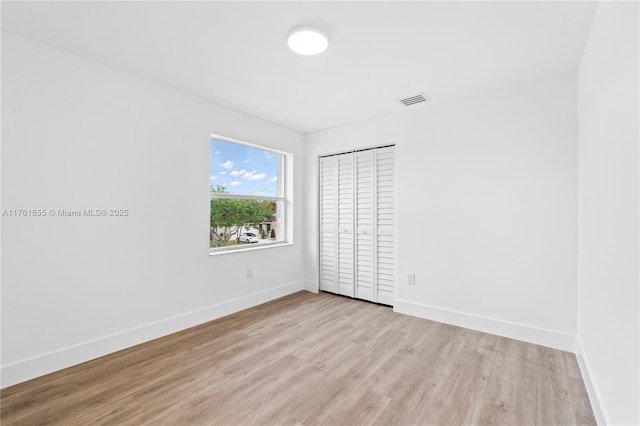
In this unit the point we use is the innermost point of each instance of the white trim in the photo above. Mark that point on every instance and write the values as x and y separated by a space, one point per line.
249 144
592 389
366 148
318 224
215 251
526 333
40 365
227 196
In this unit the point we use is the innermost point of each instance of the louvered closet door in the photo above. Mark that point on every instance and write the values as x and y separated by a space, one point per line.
385 224
328 224
357 224
365 237
345 251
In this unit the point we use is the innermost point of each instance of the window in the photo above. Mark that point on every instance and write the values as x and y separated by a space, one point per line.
248 201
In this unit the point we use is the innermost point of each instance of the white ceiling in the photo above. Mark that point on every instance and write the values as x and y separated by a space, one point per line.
235 53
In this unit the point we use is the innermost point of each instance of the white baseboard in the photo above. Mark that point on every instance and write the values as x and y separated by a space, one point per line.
40 365
592 389
311 286
526 333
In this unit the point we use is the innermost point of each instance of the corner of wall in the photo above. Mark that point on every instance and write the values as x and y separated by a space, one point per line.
592 390
311 286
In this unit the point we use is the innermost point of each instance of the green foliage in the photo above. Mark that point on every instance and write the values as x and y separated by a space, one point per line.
228 217
219 189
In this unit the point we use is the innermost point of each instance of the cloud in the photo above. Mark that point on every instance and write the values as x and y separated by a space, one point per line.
235 183
213 177
227 164
245 161
274 179
217 152
237 173
222 172
268 155
252 175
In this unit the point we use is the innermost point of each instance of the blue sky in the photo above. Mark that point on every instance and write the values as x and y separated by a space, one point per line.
242 169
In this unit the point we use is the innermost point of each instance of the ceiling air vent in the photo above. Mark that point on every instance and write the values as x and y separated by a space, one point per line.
415 99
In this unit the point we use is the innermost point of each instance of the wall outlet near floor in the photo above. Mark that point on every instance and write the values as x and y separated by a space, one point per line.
411 279
249 273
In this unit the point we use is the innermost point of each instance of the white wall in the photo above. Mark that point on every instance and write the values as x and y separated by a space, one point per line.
608 319
78 135
486 208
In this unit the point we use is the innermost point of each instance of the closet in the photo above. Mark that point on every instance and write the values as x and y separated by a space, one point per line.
357 224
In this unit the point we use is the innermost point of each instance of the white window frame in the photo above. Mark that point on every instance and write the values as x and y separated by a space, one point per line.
281 200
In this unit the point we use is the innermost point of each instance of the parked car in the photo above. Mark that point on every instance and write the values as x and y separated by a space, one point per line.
248 237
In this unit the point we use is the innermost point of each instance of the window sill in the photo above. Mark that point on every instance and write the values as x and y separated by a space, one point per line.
252 247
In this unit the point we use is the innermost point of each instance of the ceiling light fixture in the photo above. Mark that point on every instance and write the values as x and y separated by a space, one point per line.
307 40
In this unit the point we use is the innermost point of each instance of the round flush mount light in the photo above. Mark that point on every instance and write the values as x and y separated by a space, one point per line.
307 40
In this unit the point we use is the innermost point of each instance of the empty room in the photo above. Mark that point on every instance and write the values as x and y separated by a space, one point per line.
340 213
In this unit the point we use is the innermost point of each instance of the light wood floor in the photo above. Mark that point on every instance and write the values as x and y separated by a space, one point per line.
312 359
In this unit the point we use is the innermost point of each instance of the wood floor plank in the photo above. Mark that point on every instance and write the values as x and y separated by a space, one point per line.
312 359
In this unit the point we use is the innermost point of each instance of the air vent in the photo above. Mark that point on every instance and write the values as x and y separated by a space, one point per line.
415 99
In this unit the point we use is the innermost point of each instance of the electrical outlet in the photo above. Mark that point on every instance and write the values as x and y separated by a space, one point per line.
411 279
249 273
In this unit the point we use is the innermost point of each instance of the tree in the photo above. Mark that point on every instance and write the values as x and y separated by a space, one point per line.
229 216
